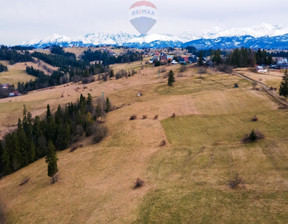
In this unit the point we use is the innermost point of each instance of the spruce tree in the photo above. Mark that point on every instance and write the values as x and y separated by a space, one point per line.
89 104
283 91
252 136
48 113
171 78
108 105
51 159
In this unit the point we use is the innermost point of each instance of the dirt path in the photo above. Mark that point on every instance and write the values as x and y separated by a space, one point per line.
272 93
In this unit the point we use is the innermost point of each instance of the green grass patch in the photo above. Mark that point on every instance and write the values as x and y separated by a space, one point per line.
224 129
209 205
201 84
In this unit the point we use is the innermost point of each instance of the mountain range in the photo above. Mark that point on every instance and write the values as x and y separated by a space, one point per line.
262 36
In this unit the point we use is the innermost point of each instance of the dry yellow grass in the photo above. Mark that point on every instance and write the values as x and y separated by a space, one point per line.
272 78
184 181
16 73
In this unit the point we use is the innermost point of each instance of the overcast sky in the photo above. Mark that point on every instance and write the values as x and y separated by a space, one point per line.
22 20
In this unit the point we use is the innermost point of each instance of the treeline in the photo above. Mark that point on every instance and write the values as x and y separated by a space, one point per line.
108 59
3 68
63 128
70 68
244 57
203 53
22 48
59 77
13 56
55 49
239 57
41 81
61 61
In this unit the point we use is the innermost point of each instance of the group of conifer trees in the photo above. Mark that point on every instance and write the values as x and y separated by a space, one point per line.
108 59
13 56
243 57
34 137
3 68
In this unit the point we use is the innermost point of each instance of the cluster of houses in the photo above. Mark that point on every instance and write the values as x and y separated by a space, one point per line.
8 87
282 63
14 93
165 58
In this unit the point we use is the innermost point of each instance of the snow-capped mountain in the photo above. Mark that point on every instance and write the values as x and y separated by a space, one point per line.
263 36
261 30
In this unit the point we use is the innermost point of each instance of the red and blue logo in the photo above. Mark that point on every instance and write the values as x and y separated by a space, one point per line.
143 16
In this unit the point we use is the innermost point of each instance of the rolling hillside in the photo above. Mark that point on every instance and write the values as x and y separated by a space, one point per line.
186 181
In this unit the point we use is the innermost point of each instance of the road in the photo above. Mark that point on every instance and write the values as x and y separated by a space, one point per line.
272 93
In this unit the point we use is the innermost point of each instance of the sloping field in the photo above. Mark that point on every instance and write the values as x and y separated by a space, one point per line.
186 181
16 73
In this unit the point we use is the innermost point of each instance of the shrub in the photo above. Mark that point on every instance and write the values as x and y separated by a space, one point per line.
163 143
144 117
121 73
156 117
88 79
105 77
99 133
254 119
236 85
76 78
234 184
74 147
183 68
173 115
253 137
133 72
133 117
138 184
225 68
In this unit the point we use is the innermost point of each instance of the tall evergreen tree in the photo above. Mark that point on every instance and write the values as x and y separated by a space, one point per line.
108 105
51 159
48 113
171 78
89 104
283 91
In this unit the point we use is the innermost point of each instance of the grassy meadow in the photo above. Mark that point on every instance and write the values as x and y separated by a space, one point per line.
186 181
